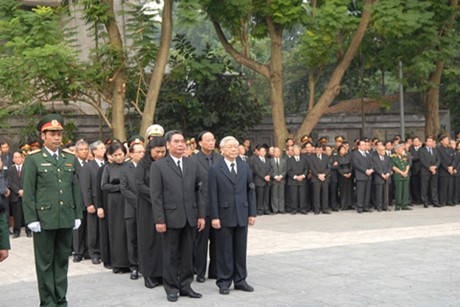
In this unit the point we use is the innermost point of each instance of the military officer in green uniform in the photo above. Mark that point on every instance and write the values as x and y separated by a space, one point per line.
400 166
51 203
4 234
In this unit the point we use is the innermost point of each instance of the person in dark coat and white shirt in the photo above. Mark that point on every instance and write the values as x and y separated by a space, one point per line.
233 208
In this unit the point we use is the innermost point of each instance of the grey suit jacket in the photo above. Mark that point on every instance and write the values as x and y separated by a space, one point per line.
176 197
278 170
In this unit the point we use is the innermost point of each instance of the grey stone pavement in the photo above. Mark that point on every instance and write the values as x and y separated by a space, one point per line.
404 258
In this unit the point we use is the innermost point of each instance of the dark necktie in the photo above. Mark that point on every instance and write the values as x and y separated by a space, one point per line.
232 171
19 171
209 160
178 165
278 162
55 156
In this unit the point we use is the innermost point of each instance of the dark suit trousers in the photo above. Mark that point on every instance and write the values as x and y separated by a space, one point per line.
18 215
298 197
231 256
415 189
363 194
51 249
178 257
79 237
277 199
429 184
320 196
200 252
446 190
92 235
380 196
131 236
333 188
262 194
456 190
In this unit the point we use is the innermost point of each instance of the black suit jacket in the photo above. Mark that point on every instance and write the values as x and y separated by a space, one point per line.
203 169
380 168
261 170
295 168
360 165
318 166
176 197
14 182
427 160
446 155
415 169
89 183
128 189
231 201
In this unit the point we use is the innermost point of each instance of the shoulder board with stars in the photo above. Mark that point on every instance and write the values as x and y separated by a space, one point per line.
68 151
33 152
393 155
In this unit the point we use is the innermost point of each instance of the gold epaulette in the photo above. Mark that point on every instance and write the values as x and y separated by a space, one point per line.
68 151
393 155
33 152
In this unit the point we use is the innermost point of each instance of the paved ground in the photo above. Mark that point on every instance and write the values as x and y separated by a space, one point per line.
404 258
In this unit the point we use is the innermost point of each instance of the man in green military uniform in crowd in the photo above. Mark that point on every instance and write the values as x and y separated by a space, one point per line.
4 234
52 208
400 166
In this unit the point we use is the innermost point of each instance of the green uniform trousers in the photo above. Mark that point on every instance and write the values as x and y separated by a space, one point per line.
52 250
401 193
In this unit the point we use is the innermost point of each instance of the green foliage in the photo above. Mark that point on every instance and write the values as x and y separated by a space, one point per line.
202 92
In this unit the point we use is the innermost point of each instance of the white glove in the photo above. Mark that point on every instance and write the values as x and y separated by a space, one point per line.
35 226
77 224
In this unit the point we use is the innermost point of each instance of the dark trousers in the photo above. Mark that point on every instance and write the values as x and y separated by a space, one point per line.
346 193
320 196
18 216
363 194
446 190
178 257
79 238
131 236
333 189
298 197
415 189
287 198
51 249
277 199
262 194
200 251
92 235
380 196
429 184
456 190
231 256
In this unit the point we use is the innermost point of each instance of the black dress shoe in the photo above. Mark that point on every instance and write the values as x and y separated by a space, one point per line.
212 276
29 234
96 260
108 266
134 275
200 279
316 213
326 212
77 258
190 293
224 291
425 206
407 208
172 297
244 287
150 283
293 213
15 235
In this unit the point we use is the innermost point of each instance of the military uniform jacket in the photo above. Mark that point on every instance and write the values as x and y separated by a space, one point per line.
400 162
51 190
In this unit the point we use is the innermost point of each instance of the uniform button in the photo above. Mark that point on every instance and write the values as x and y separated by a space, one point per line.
61 202
59 169
42 208
60 180
60 191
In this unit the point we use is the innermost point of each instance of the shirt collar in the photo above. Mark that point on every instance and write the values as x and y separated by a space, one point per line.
175 159
52 152
229 164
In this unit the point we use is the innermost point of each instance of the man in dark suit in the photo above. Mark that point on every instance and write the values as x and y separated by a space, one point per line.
278 175
90 186
177 208
15 183
80 245
430 161
446 172
7 161
233 208
320 171
261 169
297 170
205 159
128 189
362 165
414 150
381 177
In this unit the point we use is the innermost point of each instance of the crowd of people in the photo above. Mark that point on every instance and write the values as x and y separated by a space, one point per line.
126 208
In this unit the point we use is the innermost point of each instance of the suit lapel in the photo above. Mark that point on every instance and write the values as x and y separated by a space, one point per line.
173 166
202 159
226 171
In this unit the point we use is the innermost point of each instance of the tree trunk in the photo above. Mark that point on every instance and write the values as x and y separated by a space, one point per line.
333 86
432 126
118 79
311 88
159 70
